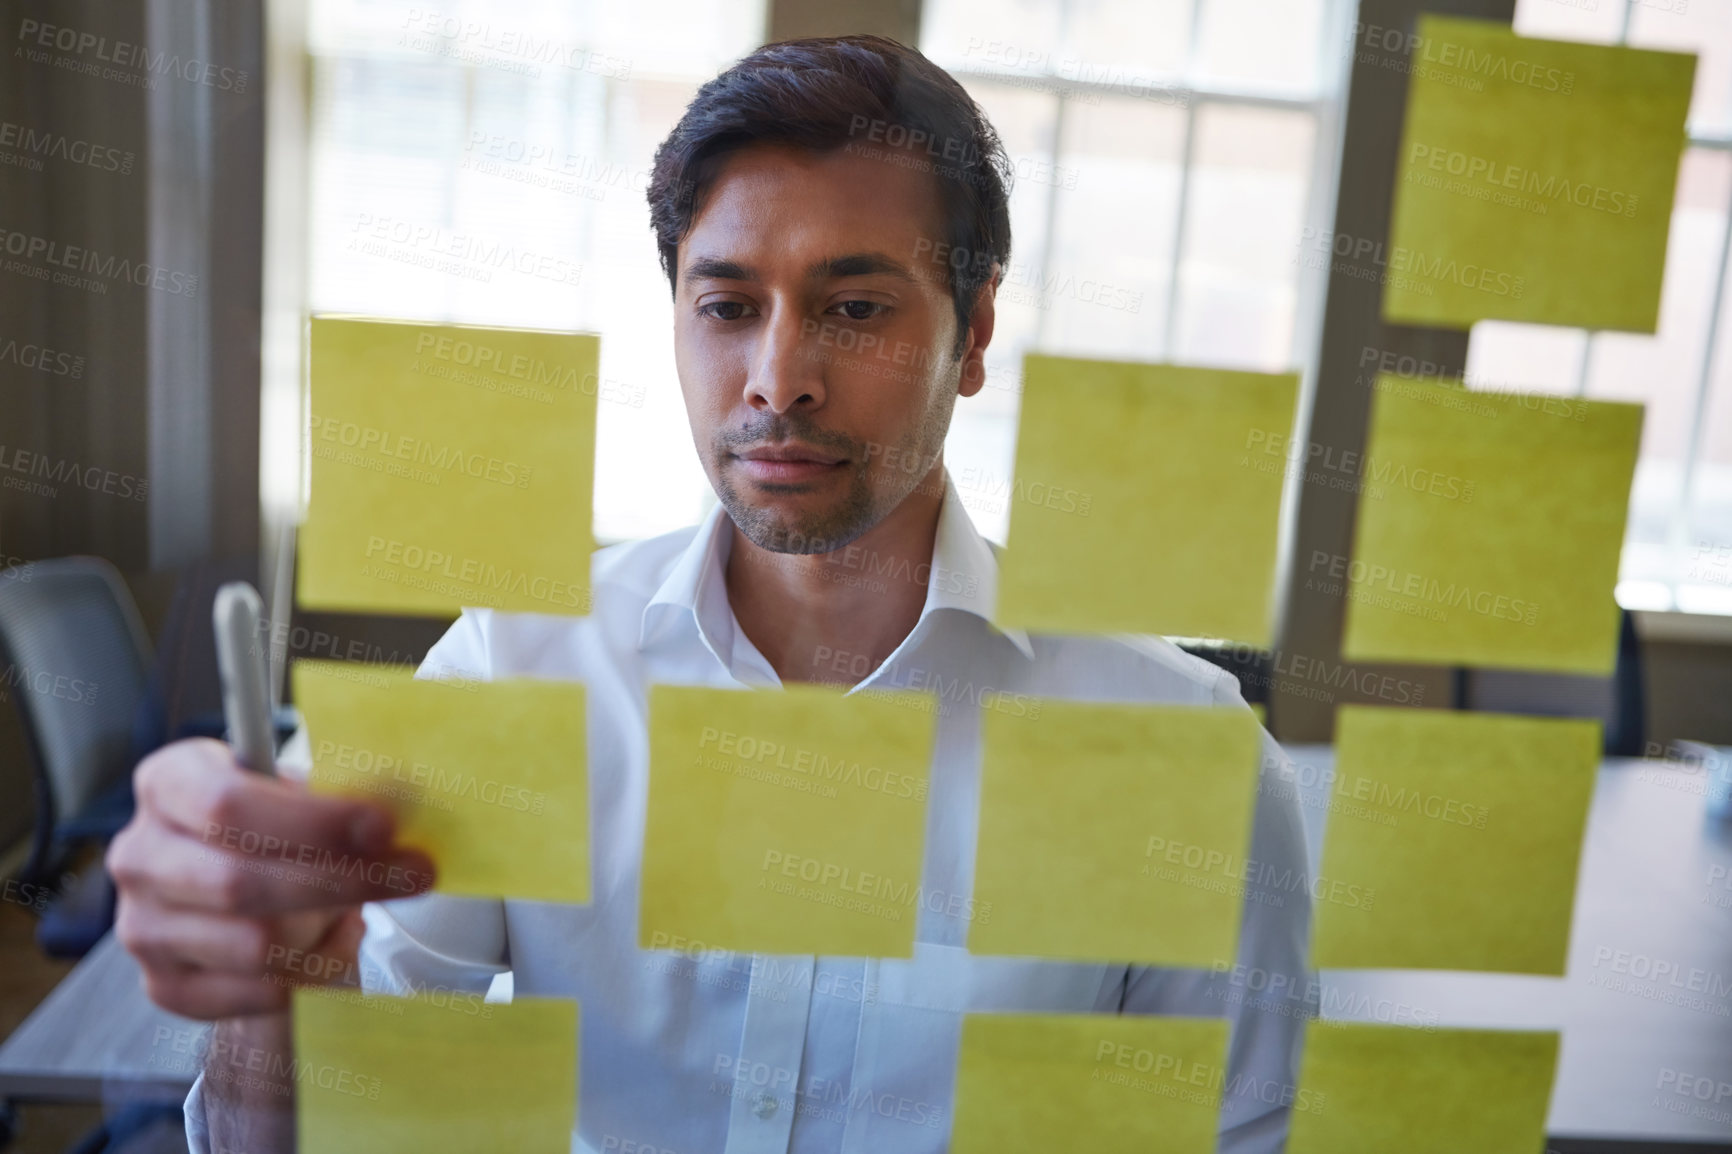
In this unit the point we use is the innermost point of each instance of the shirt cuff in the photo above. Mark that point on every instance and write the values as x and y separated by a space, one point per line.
197 1132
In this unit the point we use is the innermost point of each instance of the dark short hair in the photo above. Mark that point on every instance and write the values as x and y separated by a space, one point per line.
867 93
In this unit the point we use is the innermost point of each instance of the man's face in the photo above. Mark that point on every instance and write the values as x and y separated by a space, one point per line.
815 342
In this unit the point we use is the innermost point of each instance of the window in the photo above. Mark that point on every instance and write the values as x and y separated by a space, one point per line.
1163 181
1678 545
1169 157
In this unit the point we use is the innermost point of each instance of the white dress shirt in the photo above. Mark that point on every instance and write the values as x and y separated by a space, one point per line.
695 1051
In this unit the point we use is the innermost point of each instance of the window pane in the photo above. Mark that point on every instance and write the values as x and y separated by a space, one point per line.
1594 21
1098 285
1103 286
1700 26
1127 41
383 133
1093 47
991 35
1707 561
647 479
1660 371
542 39
1026 122
1705 28
1261 45
1506 357
1251 169
982 440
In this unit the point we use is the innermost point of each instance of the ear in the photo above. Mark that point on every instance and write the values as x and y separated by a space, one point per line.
980 326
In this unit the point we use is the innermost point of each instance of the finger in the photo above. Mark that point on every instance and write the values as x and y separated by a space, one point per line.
209 996
198 786
182 939
153 862
343 940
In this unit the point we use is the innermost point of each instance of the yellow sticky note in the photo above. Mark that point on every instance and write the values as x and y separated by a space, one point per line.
1146 499
378 1075
1115 833
785 821
451 466
1452 840
1489 530
489 778
1384 1088
1035 1083
1535 179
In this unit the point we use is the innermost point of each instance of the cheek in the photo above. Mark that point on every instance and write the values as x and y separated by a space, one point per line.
708 375
907 421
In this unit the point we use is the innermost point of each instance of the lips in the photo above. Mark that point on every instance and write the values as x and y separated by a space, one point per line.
787 463
791 453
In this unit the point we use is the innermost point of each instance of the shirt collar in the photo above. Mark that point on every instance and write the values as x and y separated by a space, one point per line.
963 577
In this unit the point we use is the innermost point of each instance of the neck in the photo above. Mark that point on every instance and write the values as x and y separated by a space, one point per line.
835 617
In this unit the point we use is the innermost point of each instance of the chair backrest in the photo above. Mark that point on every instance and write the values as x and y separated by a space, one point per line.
74 659
1253 667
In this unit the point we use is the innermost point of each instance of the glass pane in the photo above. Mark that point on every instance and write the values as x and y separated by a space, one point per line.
1261 45
1705 28
1026 122
490 169
1098 286
1086 49
1596 21
1102 288
544 39
684 40
1515 358
1663 370
1700 26
1707 562
1660 371
982 440
1127 41
1013 36
647 479
1244 218
383 137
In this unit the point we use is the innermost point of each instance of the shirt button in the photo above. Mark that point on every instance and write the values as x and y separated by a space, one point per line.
765 1106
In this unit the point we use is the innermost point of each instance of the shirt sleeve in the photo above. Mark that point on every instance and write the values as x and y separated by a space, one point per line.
431 942
1267 993
197 1132
435 941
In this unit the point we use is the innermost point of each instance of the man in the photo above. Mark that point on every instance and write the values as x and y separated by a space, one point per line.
796 206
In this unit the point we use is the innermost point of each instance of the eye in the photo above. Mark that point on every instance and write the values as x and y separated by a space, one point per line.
724 310
860 310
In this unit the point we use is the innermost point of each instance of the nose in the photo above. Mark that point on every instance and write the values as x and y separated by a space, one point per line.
786 369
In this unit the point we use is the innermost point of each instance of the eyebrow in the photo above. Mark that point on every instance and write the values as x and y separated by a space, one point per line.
716 268
858 264
830 268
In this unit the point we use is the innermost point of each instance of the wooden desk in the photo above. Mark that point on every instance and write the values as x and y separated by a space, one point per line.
98 1038
1645 1006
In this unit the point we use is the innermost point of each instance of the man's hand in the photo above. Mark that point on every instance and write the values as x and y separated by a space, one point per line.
235 887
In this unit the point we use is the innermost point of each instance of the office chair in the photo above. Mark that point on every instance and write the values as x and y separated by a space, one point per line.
75 660
1254 668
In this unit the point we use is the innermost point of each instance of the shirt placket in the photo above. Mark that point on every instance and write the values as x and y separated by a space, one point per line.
856 1133
772 1044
